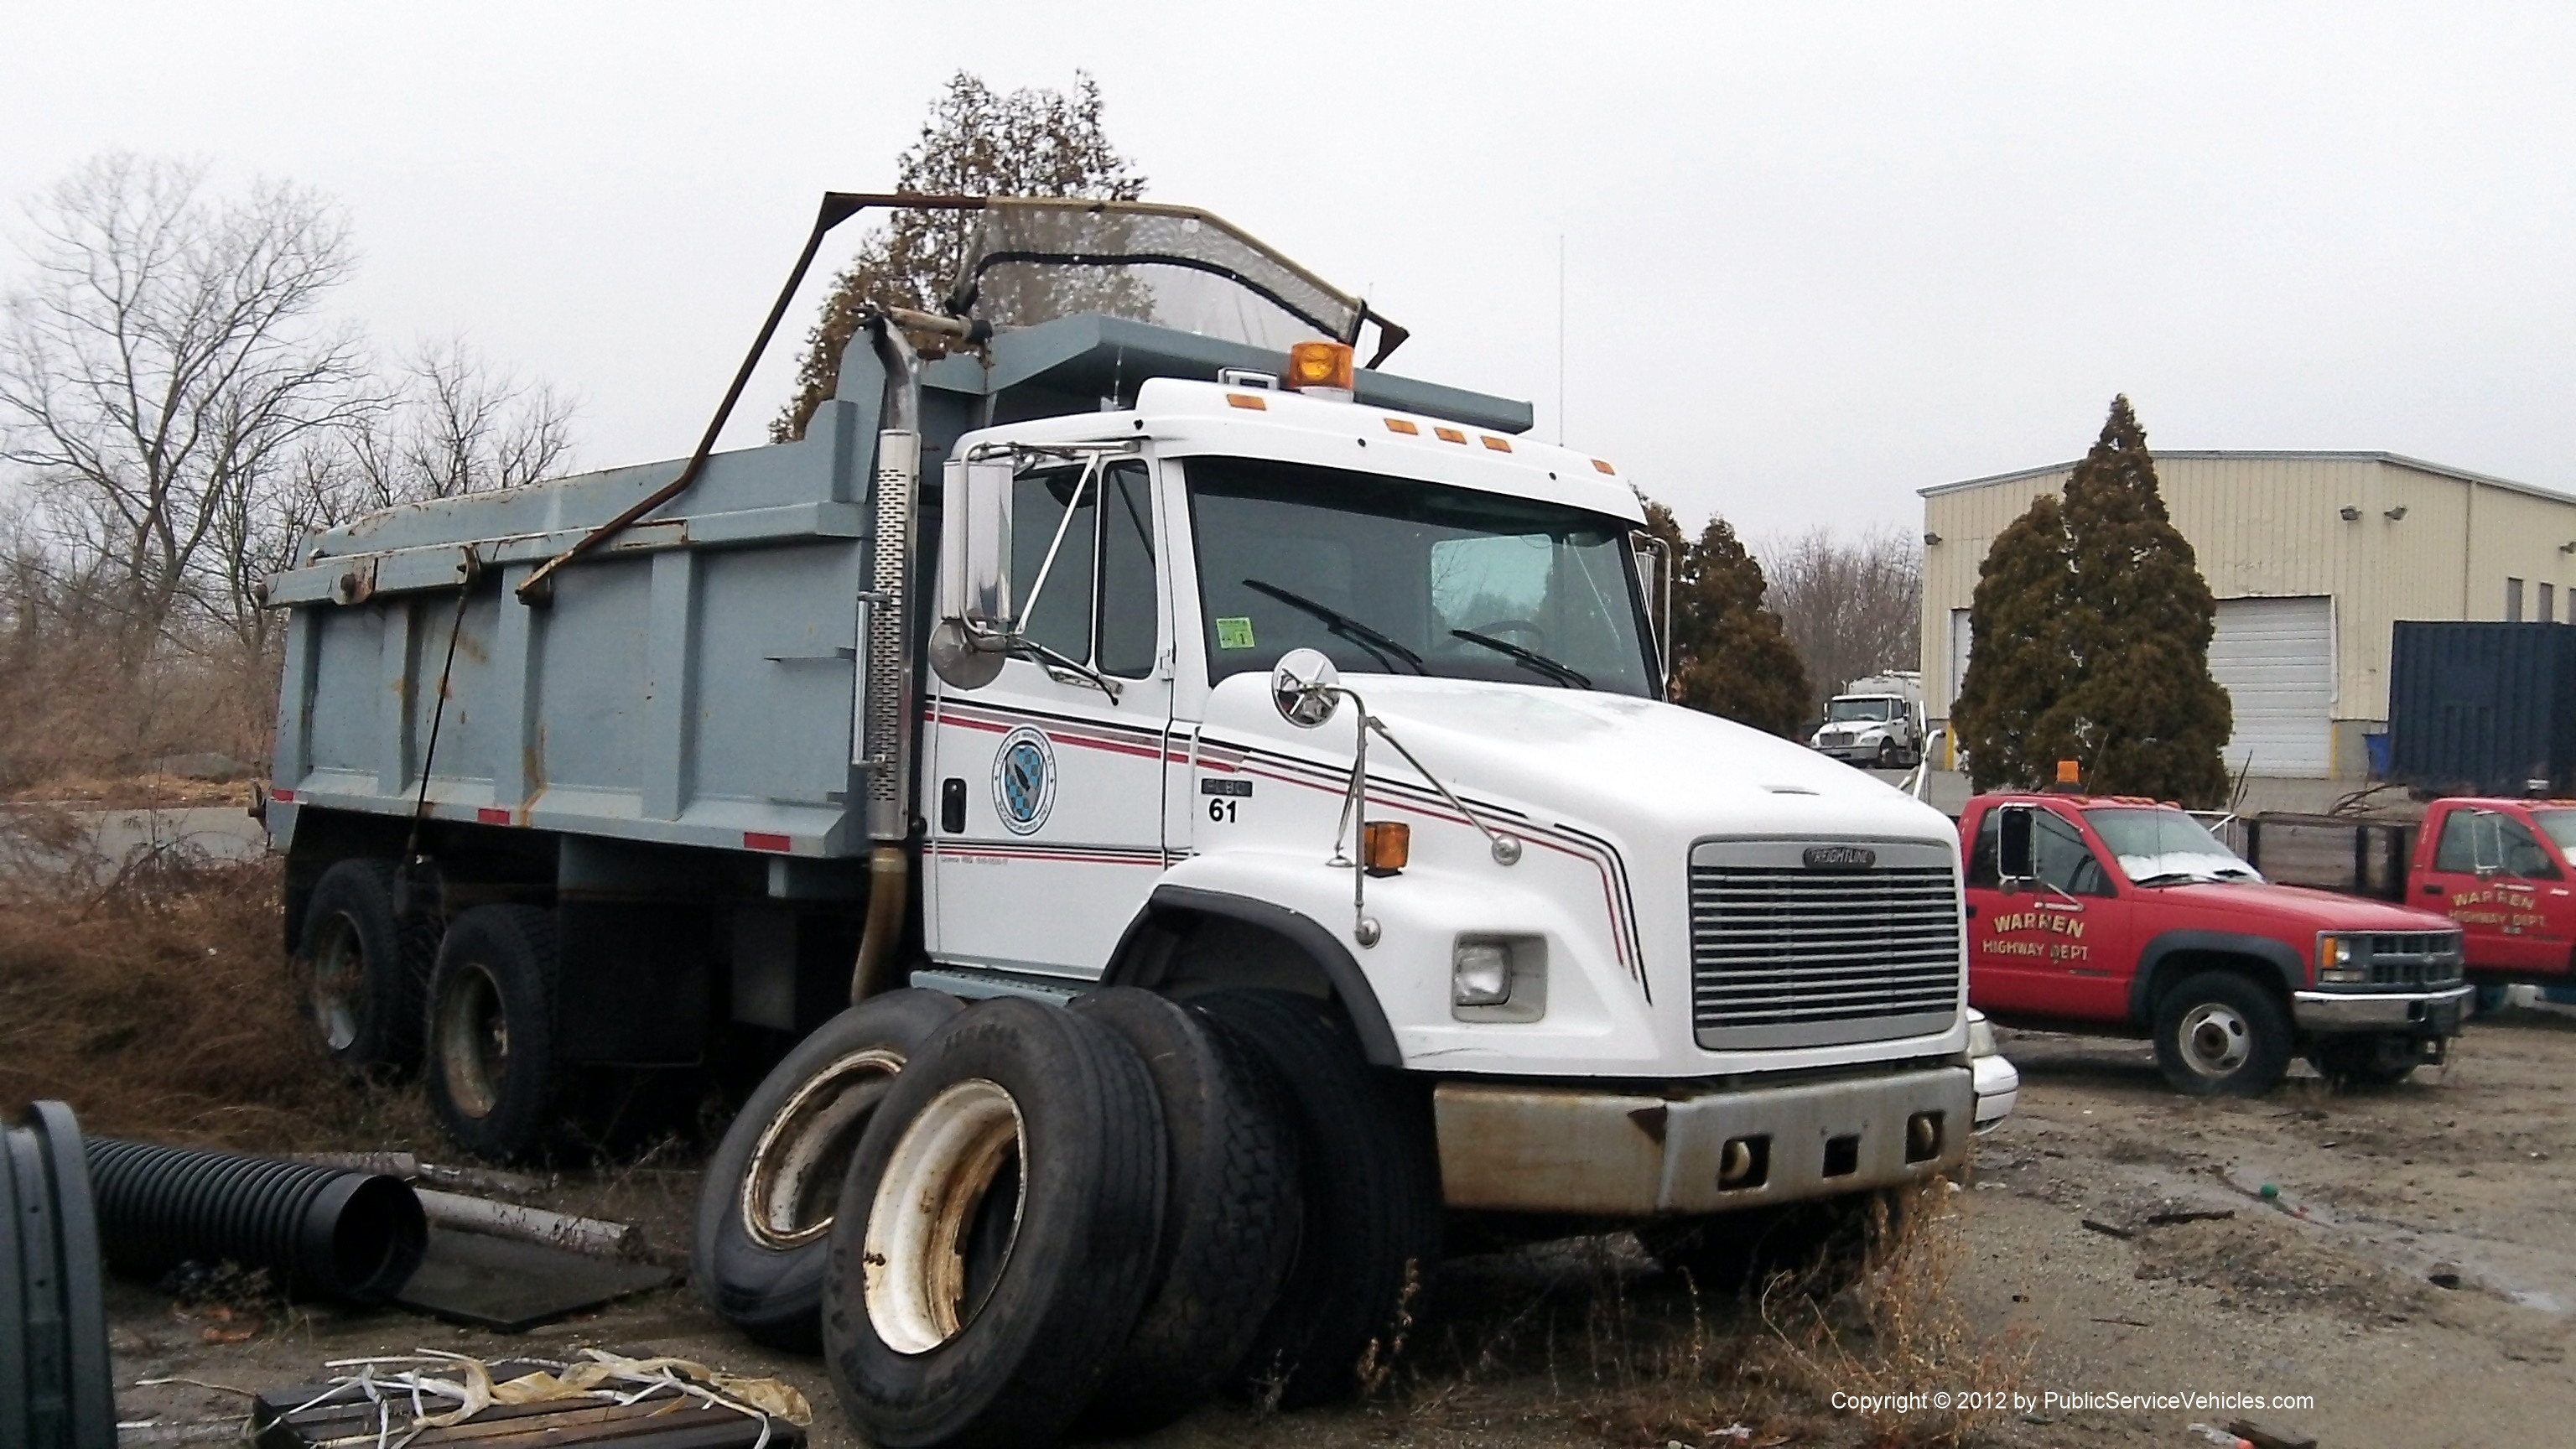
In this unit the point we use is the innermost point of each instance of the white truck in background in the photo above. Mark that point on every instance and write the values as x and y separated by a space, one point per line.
1124 643
1876 721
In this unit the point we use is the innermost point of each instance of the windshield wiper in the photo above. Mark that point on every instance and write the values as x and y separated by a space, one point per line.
1372 640
1561 673
2173 877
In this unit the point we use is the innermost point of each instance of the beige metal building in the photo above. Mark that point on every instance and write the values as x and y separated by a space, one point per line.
2312 556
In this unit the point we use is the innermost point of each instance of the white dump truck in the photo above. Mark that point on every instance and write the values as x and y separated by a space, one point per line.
1875 721
1111 630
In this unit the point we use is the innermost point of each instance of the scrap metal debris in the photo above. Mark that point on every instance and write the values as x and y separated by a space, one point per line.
389 1402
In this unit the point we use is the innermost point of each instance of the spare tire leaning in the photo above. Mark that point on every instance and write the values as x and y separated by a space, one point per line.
55 1385
766 1197
970 1303
1230 1228
1371 1185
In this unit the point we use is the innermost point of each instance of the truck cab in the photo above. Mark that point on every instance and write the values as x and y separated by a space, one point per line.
2500 869
2129 915
1876 721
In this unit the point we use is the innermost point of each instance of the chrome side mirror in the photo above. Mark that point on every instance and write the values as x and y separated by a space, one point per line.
1305 687
2015 853
975 545
973 627
1655 576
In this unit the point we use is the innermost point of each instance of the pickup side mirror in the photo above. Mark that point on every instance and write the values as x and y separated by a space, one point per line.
2015 855
2486 842
974 597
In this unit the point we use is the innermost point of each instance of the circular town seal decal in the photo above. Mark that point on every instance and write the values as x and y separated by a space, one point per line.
1024 780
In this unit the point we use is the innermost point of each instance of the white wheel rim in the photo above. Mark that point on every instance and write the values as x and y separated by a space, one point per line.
934 1184
2215 1039
474 1040
339 981
794 1176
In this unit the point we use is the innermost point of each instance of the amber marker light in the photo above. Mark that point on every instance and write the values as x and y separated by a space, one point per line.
1385 845
1450 435
1247 400
1320 365
1404 426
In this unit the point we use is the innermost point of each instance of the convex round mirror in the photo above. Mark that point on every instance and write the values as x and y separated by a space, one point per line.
1304 686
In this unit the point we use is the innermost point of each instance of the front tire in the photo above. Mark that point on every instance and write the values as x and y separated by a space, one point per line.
361 969
490 1049
1371 1188
2220 1034
1888 755
2373 1060
767 1195
1232 1224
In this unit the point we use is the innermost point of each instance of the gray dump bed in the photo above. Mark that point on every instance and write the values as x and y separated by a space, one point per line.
696 680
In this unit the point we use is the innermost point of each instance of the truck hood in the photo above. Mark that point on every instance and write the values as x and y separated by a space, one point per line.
1614 759
2296 906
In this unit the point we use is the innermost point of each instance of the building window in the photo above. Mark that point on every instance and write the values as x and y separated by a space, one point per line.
2545 603
2513 601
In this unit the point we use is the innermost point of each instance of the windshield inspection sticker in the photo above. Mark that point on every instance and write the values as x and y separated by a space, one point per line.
1234 633
1024 780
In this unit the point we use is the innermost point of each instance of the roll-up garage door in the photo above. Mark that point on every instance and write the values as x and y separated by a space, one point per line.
2275 659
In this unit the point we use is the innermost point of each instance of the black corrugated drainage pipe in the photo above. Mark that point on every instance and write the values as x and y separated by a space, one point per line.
317 1230
55 1388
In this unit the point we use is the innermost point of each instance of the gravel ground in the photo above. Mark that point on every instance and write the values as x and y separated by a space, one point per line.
2326 1289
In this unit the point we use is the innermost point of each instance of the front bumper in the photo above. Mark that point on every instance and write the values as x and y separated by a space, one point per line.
1998 1084
2425 1013
1574 1150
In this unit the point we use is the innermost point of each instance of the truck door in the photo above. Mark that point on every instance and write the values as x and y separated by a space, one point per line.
1047 812
2056 945
2496 879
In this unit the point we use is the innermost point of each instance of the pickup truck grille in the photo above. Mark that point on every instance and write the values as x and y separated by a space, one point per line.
2415 958
1784 954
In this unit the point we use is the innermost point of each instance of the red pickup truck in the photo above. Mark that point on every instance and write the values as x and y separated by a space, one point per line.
2126 915
2499 868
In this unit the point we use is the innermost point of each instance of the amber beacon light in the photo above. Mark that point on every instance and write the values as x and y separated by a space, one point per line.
1320 367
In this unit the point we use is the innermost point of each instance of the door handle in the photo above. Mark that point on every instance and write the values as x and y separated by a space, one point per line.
1972 912
2432 890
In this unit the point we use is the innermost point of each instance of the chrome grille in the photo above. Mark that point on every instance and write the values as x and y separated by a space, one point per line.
1785 955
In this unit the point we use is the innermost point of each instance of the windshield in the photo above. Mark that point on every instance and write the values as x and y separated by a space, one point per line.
2558 825
1390 576
2156 846
1860 709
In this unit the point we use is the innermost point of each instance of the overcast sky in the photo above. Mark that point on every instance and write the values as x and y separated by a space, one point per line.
1817 256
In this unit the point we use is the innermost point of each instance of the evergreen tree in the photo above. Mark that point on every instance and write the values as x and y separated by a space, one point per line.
1731 657
2018 668
1034 142
2091 625
2144 715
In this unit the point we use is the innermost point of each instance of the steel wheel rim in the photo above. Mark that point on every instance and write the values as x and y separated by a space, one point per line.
473 1039
793 1180
927 1206
2216 1039
336 983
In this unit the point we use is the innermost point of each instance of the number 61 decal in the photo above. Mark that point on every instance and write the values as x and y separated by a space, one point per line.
1222 795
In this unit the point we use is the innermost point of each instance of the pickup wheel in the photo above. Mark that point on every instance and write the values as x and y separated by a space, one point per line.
2219 1034
2372 1060
360 969
491 1067
1370 1189
766 1197
998 1234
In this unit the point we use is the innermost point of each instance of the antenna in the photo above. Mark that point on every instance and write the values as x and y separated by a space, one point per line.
1560 339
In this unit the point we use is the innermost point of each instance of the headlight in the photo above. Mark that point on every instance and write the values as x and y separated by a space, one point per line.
1981 1036
2340 961
1480 974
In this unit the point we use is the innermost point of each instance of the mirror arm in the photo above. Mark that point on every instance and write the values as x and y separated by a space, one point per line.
1058 666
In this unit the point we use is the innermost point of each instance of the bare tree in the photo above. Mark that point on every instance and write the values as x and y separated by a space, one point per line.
1853 606
458 424
166 359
